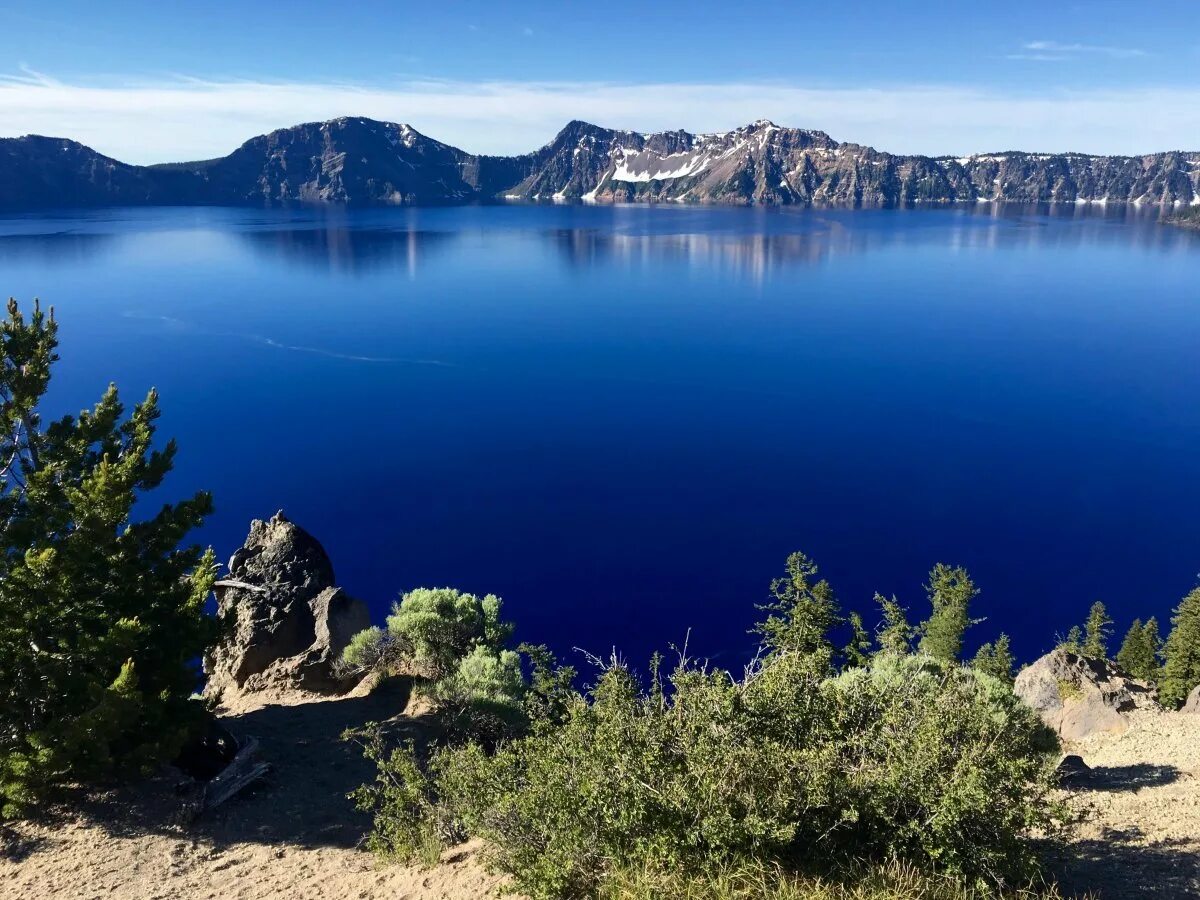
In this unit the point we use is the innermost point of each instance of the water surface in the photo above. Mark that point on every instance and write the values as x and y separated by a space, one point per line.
623 419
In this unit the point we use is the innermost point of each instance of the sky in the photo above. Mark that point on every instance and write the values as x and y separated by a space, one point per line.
155 82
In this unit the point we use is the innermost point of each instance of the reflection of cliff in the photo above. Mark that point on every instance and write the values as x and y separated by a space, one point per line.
752 254
753 242
345 249
810 238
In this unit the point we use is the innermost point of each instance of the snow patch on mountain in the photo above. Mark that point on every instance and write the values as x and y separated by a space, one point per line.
646 165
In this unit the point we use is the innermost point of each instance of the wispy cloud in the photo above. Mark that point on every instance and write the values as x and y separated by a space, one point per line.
1058 51
190 118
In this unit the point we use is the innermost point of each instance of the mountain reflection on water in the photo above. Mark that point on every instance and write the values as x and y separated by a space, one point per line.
751 242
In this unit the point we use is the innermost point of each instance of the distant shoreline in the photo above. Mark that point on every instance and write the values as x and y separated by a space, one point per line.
1189 218
364 162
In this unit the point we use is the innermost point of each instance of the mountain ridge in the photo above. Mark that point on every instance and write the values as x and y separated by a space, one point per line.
361 161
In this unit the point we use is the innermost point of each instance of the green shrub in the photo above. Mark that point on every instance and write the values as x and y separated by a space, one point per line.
900 759
431 630
483 677
904 759
482 698
944 766
453 642
101 614
372 650
405 819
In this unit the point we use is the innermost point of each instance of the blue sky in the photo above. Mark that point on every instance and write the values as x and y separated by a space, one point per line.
155 81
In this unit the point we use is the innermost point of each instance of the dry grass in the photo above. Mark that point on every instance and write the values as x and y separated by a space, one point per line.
756 881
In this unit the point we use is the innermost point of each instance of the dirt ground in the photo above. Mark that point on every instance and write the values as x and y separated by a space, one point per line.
1137 832
294 836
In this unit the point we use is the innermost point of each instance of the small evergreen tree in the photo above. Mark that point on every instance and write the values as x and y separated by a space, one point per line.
1131 647
996 659
1181 665
1139 651
858 651
951 591
1154 645
1096 632
895 634
802 613
101 615
1073 642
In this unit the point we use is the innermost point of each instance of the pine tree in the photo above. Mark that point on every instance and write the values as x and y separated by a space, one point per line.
996 659
950 594
1181 666
1096 632
895 634
858 651
802 612
1154 644
1132 645
1139 651
1073 642
101 616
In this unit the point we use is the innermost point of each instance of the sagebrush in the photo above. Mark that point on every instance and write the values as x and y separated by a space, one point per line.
899 758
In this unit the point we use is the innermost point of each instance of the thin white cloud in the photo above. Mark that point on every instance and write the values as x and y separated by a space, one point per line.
1061 50
1037 57
195 119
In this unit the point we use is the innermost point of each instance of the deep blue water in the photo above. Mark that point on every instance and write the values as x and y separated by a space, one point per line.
623 419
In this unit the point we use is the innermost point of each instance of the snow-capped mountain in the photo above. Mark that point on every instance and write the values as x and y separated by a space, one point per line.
764 163
366 162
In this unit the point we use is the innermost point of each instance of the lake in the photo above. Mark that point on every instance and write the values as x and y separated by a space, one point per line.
622 419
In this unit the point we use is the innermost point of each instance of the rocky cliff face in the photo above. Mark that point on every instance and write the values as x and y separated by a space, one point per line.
50 172
345 161
362 161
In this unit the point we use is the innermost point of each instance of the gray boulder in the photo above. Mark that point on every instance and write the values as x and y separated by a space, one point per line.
1192 705
1078 696
288 621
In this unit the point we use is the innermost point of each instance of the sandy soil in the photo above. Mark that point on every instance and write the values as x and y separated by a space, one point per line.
294 836
1137 829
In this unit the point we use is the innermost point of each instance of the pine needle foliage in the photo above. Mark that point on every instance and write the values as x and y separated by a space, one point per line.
950 591
802 611
894 635
1096 632
1139 650
1181 655
996 659
101 610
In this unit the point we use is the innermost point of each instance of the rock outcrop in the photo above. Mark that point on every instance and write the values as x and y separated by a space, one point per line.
1078 696
288 621
1192 705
